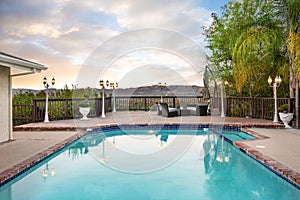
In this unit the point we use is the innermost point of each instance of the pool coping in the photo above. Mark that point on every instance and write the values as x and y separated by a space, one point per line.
81 127
288 174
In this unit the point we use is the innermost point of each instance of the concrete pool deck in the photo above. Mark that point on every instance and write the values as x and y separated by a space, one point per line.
282 145
27 144
276 147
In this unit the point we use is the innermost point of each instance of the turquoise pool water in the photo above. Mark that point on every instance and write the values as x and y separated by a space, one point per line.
207 167
236 135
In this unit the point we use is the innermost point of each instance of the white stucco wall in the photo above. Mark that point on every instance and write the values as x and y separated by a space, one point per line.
5 121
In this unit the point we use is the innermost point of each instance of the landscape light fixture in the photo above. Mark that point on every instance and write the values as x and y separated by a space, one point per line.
46 85
275 85
114 86
222 98
101 83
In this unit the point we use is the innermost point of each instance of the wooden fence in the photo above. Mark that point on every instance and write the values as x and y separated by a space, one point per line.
59 109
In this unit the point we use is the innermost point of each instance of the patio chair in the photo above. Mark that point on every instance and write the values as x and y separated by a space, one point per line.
158 108
168 112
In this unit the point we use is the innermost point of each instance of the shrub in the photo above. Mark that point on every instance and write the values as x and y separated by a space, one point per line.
283 108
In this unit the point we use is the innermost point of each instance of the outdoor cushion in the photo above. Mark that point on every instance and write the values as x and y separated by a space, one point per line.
166 112
173 109
191 108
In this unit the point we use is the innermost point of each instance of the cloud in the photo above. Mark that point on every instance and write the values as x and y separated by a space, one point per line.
143 47
43 30
178 15
62 34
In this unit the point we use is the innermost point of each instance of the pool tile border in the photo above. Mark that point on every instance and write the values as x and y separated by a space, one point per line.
75 127
280 169
20 168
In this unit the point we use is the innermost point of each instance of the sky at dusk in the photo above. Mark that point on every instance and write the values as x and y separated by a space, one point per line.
133 42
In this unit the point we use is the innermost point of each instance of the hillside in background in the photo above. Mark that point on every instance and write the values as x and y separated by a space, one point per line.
154 90
177 90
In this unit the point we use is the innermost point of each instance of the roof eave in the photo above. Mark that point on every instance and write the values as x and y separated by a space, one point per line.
20 64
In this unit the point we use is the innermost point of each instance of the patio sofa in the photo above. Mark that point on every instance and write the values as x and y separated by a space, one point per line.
199 109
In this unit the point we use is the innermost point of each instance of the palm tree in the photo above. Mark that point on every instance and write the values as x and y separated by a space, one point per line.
256 54
290 14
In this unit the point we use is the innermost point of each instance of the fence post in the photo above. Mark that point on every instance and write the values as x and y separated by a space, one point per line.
34 111
66 109
250 108
262 108
110 104
174 102
107 104
294 108
228 103
97 106
145 103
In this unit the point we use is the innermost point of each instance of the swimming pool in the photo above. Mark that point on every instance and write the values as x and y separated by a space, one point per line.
140 163
236 135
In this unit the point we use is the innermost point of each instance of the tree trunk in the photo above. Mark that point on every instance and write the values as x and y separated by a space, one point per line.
297 105
292 78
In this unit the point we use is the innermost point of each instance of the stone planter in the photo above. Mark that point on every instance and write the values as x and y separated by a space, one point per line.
84 111
286 118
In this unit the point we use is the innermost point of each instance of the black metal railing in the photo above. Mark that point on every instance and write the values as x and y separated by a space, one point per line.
254 107
59 109
147 102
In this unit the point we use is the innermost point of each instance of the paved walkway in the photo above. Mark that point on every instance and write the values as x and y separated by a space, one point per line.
37 140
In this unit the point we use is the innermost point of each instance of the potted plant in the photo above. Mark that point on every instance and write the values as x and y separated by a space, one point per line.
284 115
283 108
84 108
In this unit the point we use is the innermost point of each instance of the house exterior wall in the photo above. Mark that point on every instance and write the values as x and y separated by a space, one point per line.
5 103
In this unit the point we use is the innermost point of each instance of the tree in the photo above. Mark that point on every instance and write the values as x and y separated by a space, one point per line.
290 14
221 37
289 11
65 92
245 43
85 92
41 94
293 43
23 98
257 53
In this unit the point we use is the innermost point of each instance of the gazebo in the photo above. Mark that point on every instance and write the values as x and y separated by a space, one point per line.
7 62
